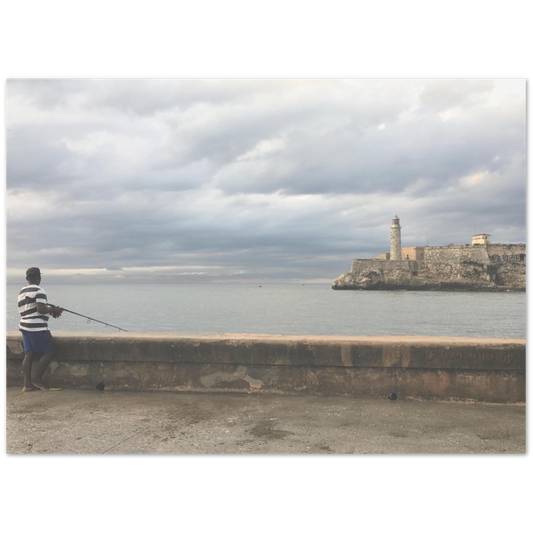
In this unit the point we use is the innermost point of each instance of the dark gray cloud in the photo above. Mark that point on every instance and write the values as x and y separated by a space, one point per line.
255 179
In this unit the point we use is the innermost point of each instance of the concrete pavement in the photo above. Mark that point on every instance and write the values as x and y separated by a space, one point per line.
117 422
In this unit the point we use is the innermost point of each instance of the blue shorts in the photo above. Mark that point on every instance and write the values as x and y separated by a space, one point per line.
38 341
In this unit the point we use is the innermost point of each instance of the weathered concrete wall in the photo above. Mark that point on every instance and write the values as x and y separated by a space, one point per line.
364 367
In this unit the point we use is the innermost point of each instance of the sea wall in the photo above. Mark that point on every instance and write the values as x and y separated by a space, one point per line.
490 370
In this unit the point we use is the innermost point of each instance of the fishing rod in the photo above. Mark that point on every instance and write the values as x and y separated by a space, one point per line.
90 318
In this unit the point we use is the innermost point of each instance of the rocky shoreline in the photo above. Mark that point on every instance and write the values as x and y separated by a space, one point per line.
375 274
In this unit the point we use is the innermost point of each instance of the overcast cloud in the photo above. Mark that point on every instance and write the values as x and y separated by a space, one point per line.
254 180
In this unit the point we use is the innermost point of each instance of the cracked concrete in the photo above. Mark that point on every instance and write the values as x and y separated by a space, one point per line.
116 422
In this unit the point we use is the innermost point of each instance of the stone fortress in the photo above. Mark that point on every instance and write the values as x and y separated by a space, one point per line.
479 266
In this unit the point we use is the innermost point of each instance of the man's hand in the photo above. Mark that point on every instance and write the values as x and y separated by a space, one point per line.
56 311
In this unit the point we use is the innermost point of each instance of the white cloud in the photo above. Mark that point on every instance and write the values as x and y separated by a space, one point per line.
263 148
290 178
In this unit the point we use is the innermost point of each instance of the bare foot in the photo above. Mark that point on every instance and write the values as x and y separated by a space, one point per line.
40 385
29 389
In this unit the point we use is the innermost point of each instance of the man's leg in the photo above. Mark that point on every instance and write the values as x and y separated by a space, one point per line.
41 367
26 369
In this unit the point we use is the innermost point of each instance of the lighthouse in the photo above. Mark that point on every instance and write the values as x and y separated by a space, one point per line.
395 239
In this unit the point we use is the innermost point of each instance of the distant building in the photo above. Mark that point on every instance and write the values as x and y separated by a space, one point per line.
413 253
481 238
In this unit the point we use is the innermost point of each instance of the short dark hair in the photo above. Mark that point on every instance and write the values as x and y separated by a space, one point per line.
33 273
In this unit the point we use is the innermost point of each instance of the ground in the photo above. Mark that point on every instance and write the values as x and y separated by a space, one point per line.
114 422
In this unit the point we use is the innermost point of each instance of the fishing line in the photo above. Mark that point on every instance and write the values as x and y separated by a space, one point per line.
89 319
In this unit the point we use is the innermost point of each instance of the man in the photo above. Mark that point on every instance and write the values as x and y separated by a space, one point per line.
33 309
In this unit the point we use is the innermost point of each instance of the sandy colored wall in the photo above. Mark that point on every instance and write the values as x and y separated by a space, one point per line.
364 367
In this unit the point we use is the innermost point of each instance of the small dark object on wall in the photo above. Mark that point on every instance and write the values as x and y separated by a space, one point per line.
100 386
393 396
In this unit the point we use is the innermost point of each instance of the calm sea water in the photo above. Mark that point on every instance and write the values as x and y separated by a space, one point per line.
282 309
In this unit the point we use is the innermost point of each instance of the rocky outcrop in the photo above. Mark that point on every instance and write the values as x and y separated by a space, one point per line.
467 275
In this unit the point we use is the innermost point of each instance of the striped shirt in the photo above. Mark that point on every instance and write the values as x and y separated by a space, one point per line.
30 319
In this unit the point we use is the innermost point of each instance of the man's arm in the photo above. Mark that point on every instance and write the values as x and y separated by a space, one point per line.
46 309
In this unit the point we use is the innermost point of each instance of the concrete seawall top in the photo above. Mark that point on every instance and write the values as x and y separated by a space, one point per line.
366 339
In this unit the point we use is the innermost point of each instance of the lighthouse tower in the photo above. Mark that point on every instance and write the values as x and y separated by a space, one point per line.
395 239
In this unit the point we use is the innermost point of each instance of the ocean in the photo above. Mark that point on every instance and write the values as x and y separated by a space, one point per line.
289 309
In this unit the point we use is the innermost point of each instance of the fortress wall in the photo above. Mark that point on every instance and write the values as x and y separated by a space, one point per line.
363 367
456 254
476 253
507 252
379 264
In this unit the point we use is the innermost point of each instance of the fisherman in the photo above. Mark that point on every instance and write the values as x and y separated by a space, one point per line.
37 339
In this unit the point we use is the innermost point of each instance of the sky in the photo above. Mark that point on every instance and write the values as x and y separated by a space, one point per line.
254 180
